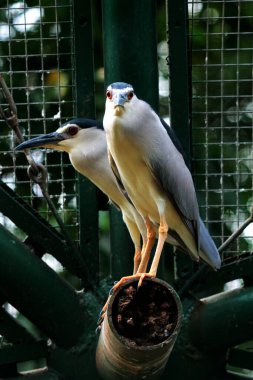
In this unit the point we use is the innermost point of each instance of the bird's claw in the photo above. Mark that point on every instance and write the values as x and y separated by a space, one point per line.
100 320
143 276
98 329
101 314
116 285
103 311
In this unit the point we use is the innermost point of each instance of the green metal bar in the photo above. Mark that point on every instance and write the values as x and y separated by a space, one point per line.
79 363
179 72
121 263
130 55
229 376
2 298
88 227
130 47
37 292
23 352
223 320
27 219
180 93
211 281
41 374
12 330
8 370
241 358
88 203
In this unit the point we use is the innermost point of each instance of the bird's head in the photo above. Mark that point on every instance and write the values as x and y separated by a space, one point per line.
119 95
64 138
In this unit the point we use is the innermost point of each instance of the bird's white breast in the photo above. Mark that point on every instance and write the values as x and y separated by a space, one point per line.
134 171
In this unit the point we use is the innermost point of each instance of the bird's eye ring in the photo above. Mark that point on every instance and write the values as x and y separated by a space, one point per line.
109 94
130 95
73 130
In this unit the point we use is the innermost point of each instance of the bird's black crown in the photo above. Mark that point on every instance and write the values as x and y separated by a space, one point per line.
121 85
84 123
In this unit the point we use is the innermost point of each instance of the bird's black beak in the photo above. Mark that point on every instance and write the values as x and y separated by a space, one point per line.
42 141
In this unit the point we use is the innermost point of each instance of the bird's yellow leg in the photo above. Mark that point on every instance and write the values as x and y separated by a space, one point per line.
137 259
151 236
144 256
163 231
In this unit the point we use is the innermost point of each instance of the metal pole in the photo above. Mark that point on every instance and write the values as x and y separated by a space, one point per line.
179 72
38 293
130 55
47 237
130 48
180 92
11 329
121 246
223 320
41 374
88 202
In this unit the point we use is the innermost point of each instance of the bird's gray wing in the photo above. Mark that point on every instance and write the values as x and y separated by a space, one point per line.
117 176
175 140
172 174
208 250
115 171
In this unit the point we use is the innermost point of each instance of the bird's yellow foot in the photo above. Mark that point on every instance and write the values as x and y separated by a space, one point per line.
103 310
112 291
143 276
122 280
102 314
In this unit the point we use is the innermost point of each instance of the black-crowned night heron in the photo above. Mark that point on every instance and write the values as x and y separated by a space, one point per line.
85 142
155 177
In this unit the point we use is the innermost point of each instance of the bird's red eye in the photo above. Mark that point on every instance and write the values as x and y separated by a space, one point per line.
73 130
109 94
130 95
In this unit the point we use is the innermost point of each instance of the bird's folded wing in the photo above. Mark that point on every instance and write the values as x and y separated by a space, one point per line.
175 180
117 176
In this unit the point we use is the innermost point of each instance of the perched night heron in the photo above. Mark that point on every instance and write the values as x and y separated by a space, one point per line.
145 158
85 142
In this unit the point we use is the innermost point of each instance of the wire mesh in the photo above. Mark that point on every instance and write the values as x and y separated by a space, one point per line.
220 34
37 62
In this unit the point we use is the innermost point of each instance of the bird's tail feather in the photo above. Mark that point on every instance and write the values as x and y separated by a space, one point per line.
208 251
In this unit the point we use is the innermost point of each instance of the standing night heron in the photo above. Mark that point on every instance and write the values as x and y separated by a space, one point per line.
85 142
154 174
